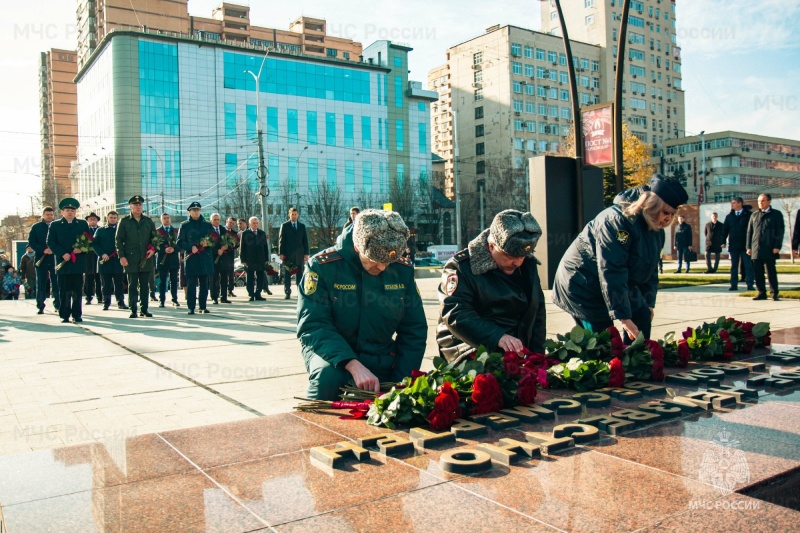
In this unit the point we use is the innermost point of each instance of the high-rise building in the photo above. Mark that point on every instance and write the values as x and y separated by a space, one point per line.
174 118
653 102
506 95
736 164
58 112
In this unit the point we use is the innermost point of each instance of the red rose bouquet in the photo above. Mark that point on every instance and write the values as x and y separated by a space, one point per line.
170 240
82 243
205 242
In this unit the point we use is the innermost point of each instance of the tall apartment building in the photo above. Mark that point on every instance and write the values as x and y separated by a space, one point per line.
174 118
736 164
653 103
229 22
58 113
507 94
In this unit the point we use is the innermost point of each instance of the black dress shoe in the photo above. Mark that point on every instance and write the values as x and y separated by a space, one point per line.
708 272
733 289
175 303
226 301
191 311
287 297
205 311
123 306
760 297
105 307
260 298
88 301
269 292
161 304
146 314
775 298
230 293
65 320
750 288
134 314
215 302
252 298
40 312
76 320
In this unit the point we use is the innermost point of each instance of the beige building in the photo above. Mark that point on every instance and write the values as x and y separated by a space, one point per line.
58 112
736 164
507 91
653 99
229 22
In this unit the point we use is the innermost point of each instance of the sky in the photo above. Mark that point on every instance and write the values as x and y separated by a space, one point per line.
741 59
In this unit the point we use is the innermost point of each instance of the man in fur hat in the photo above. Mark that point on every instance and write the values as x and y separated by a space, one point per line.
360 316
490 293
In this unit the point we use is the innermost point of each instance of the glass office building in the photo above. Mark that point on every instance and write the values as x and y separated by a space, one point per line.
176 119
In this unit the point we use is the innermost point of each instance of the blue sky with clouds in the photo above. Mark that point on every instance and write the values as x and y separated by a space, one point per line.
741 59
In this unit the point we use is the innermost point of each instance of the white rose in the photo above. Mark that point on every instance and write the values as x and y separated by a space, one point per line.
574 363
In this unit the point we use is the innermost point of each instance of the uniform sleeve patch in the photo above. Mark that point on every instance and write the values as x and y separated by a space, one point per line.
623 236
451 284
310 282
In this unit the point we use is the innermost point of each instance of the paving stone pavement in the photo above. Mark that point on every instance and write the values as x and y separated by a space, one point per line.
113 377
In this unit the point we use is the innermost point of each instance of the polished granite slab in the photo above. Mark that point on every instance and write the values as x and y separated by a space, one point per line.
258 474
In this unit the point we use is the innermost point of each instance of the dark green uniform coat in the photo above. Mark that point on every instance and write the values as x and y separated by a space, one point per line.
191 232
61 239
346 313
132 239
104 243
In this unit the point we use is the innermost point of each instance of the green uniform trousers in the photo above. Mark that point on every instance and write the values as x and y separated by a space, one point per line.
325 380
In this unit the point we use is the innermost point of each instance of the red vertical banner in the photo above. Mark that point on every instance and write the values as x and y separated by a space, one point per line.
597 123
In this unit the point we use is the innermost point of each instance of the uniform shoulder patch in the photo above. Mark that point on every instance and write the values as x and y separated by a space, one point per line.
451 284
328 257
623 236
461 256
310 282
404 261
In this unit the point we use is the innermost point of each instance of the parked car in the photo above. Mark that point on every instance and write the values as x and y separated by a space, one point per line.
428 262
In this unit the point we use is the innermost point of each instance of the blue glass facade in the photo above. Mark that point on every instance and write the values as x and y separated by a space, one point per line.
297 78
159 102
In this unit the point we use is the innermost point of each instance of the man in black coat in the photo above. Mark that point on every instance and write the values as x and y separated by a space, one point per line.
62 237
735 231
167 261
715 240
764 241
293 248
46 271
91 281
223 262
796 235
253 254
199 264
683 243
490 293
230 225
110 269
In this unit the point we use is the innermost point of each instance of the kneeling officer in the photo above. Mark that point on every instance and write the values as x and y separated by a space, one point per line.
360 316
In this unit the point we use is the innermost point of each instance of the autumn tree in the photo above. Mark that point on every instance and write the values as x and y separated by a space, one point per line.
637 166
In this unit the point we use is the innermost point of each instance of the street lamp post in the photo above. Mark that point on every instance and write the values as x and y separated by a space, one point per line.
262 171
618 153
456 180
164 178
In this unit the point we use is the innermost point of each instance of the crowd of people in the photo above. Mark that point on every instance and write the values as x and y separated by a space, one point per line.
360 318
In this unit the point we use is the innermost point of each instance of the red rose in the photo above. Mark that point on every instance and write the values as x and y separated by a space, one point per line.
617 378
766 340
534 360
749 343
415 374
747 327
683 354
486 394
688 333
445 408
617 346
657 373
727 345
526 393
512 363
541 378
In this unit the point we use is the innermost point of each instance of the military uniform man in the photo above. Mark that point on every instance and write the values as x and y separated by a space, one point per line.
46 271
108 265
91 281
360 316
490 293
61 240
168 262
199 265
134 233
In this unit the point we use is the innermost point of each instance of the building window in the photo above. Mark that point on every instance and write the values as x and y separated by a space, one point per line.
251 123
421 106
589 20
230 121
552 57
479 130
346 55
349 176
332 52
398 133
272 124
479 149
588 3
516 49
330 176
330 129
366 173
291 126
479 112
540 54
518 125
366 132
529 70
516 87
398 61
313 174
529 52
423 138
477 58
516 67
478 95
480 167
311 127
398 91
531 126
348 131
518 106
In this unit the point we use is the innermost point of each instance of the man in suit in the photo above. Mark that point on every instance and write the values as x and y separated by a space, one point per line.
683 243
134 248
253 254
293 248
230 225
91 281
61 240
223 262
46 271
764 241
715 240
199 265
796 235
108 265
735 231
168 262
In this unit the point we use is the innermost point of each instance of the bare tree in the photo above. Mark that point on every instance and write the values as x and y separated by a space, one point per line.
240 202
326 212
370 200
402 195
